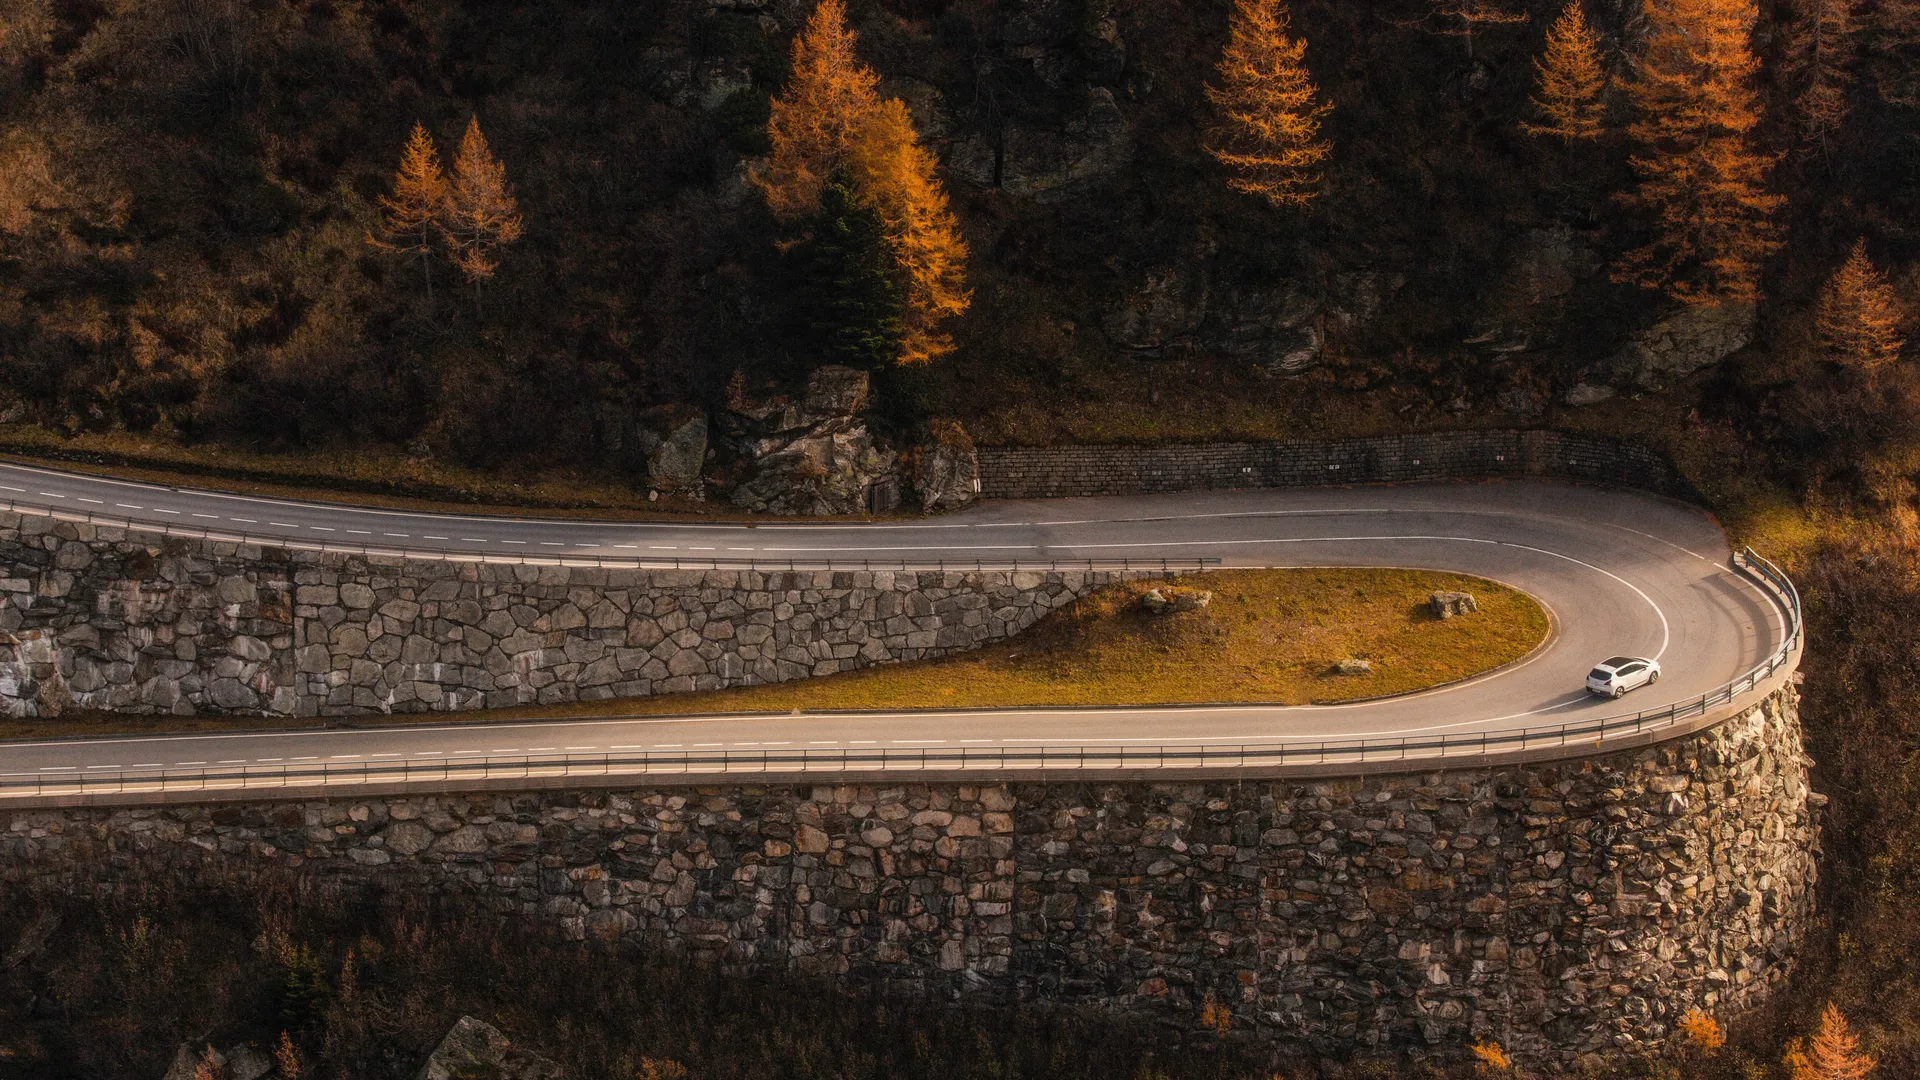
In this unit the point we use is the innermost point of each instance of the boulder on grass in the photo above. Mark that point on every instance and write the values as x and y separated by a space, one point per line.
1173 599
1353 665
1448 604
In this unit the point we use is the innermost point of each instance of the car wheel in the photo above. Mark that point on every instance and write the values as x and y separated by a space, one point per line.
1653 678
1619 691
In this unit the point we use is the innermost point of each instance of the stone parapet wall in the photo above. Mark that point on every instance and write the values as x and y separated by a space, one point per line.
1569 911
1058 471
101 618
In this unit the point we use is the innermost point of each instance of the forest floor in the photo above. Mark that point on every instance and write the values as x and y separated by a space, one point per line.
1267 636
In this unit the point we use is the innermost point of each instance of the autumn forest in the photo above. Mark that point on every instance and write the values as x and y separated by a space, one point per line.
511 235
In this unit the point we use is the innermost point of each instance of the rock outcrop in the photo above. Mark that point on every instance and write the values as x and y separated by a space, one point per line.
945 469
474 1048
1447 605
816 457
1684 342
675 462
1050 165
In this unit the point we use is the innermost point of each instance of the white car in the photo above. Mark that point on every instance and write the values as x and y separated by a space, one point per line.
1616 675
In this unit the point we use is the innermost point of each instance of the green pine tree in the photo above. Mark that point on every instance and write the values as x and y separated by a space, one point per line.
851 295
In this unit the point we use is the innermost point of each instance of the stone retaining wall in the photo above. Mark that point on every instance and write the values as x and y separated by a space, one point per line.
100 618
1569 911
1050 472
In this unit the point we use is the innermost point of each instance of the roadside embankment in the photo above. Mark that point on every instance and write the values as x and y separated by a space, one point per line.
1570 911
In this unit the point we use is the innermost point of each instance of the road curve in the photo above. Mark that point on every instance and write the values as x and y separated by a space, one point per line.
1620 572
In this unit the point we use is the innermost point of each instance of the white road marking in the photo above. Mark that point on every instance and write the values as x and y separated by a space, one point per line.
96 502
214 517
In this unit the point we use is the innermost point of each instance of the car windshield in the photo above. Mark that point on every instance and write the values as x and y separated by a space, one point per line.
1616 661
1601 674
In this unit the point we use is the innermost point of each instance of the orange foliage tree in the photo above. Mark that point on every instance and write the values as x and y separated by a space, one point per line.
481 214
1858 319
1269 131
411 215
1700 176
1832 1054
1569 81
1821 53
830 116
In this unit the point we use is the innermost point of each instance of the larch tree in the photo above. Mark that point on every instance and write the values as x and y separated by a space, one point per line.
898 175
1269 109
1858 319
830 117
1821 51
813 123
481 214
1570 81
410 217
1700 177
1833 1053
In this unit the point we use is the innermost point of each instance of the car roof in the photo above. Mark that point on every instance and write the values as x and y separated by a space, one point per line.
1617 661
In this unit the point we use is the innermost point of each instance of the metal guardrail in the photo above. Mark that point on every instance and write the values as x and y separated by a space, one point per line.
1583 736
609 562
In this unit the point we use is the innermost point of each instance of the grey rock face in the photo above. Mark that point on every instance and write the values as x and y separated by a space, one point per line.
475 1048
1579 908
817 457
832 392
1051 165
818 473
946 471
1354 666
675 464
1447 605
1684 342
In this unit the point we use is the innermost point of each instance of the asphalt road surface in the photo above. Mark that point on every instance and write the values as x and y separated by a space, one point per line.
1619 572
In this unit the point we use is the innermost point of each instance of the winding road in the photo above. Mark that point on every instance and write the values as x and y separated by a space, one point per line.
1619 572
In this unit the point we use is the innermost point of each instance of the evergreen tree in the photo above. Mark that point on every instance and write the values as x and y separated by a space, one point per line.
830 118
814 121
850 293
1269 108
1821 54
1570 79
1832 1054
412 214
481 213
1858 319
897 174
1701 179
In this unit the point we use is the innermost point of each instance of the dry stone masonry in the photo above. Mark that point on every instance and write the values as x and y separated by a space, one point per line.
1041 472
1571 911
99 618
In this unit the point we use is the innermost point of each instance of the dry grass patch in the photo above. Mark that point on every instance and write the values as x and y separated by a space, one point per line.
1268 635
